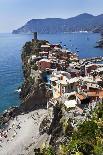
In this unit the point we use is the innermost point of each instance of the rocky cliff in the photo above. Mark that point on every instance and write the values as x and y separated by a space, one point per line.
33 91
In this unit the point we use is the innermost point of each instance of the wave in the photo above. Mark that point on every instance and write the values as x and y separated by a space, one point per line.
18 90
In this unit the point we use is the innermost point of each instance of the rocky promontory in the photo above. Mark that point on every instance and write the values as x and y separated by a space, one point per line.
34 94
100 42
19 126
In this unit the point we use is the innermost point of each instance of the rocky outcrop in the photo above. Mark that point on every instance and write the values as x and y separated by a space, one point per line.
34 93
8 114
100 44
36 99
58 126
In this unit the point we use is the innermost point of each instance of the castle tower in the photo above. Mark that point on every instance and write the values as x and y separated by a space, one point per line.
35 35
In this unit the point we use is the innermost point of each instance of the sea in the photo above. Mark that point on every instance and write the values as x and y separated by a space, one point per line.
11 75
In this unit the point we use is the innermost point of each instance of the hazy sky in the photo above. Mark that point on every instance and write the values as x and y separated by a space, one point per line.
15 13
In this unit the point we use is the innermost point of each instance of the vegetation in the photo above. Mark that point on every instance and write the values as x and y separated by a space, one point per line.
35 67
27 49
87 138
32 48
48 151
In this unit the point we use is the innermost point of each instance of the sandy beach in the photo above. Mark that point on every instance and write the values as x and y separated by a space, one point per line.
22 134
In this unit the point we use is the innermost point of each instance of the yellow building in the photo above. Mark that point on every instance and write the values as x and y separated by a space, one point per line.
62 84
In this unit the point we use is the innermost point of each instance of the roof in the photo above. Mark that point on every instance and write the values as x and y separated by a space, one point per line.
93 85
79 109
72 64
58 75
48 44
96 94
43 52
93 64
64 81
45 46
33 56
99 69
98 80
57 48
88 79
70 69
70 103
46 60
53 78
81 96
73 80
69 94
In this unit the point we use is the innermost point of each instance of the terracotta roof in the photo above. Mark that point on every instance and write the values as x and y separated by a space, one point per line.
79 109
81 96
45 60
96 94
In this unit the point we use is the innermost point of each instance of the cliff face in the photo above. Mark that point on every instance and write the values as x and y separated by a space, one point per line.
100 44
35 99
33 91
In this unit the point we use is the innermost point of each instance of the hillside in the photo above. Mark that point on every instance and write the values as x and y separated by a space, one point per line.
82 22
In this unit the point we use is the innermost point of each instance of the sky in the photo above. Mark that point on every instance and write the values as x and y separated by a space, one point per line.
15 13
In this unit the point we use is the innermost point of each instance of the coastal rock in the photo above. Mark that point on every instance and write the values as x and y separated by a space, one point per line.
34 93
100 44
36 99
7 115
51 126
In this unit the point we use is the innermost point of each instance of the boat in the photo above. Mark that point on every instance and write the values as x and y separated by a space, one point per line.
83 31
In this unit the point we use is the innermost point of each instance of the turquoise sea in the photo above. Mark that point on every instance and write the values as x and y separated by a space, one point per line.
11 76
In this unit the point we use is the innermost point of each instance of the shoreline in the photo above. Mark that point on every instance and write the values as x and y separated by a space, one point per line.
22 132
21 125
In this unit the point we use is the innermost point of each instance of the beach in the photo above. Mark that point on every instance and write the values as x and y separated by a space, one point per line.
22 134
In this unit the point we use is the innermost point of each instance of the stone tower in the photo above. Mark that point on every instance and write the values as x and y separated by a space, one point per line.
35 35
